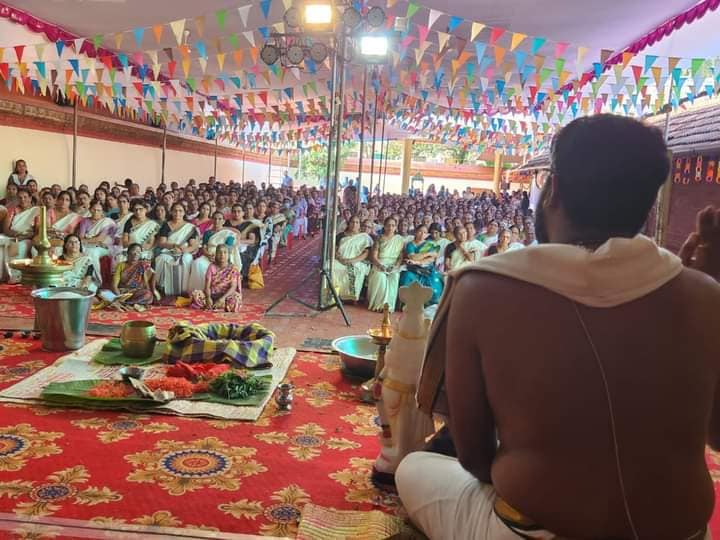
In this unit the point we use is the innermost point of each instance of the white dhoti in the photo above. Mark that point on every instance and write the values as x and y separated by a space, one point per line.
447 502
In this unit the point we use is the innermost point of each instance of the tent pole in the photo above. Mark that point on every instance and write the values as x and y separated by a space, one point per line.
215 160
372 158
74 144
164 149
362 137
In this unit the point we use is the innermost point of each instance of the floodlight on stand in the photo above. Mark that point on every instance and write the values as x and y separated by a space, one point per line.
270 54
292 17
376 17
295 54
317 15
318 52
351 18
374 47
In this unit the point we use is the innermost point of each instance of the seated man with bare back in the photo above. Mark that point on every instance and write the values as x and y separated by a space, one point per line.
594 425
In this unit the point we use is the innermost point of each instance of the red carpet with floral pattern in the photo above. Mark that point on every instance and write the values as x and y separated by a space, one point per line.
15 301
184 472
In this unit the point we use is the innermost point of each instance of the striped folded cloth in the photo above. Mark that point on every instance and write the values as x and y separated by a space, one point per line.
246 345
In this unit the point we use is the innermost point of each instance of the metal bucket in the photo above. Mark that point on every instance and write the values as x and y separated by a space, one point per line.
62 321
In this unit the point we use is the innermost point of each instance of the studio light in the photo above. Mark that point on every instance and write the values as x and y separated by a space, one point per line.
270 54
376 17
318 52
317 15
374 47
351 18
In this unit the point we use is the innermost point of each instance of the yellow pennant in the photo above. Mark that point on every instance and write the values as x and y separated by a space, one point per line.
221 60
177 27
118 40
200 25
186 66
516 40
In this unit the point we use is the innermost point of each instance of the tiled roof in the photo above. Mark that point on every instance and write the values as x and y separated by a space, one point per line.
693 131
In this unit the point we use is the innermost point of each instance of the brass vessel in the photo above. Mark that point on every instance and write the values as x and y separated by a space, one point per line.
41 271
138 338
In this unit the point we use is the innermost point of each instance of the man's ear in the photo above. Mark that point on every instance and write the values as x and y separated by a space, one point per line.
552 191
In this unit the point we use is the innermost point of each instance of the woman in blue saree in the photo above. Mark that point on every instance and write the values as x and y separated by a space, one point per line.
420 256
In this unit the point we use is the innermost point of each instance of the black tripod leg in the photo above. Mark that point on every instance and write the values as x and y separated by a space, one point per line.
335 296
289 294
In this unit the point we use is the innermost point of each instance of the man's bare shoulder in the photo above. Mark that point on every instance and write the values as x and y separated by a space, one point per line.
700 284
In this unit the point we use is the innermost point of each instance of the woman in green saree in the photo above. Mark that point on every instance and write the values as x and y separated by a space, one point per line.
386 259
350 267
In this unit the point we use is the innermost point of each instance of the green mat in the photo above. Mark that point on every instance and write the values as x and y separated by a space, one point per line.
75 393
112 355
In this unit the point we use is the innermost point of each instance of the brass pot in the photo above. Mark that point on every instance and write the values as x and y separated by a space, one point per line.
138 339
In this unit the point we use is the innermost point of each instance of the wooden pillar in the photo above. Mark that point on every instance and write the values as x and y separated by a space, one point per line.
497 171
406 165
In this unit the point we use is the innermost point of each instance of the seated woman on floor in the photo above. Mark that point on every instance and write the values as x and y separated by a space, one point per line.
140 229
134 281
386 259
223 282
217 236
18 230
97 233
159 214
462 251
177 241
11 196
350 266
83 274
420 256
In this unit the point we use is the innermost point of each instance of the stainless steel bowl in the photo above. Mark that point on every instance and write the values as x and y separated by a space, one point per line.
131 372
358 355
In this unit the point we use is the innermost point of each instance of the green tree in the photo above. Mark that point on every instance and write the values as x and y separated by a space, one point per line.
313 163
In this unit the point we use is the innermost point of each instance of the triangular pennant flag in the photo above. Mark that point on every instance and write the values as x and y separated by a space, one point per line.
495 34
244 11
200 25
627 57
78 44
412 9
178 27
139 33
442 40
265 7
649 61
221 60
499 55
537 44
59 45
250 36
516 40
476 29
560 49
696 64
657 74
559 65
581 52
672 63
605 55
19 49
454 23
157 32
422 32
220 17
433 16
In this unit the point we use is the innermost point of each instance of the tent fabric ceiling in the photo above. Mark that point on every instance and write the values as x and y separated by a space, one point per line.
611 25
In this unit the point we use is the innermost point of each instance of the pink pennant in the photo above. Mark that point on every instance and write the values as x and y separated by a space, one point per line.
423 32
560 49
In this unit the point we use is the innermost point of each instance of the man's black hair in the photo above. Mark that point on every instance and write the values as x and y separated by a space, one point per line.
608 170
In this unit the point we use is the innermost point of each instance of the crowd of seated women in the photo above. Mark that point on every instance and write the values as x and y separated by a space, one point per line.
395 240
198 243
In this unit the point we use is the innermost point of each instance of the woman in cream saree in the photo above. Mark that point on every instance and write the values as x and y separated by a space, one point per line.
62 222
217 236
350 267
96 233
18 230
386 257
177 241
83 274
139 230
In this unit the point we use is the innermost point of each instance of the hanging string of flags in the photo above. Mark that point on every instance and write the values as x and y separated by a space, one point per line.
453 80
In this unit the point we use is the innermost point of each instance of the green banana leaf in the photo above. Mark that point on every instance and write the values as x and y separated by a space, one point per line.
112 355
75 393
